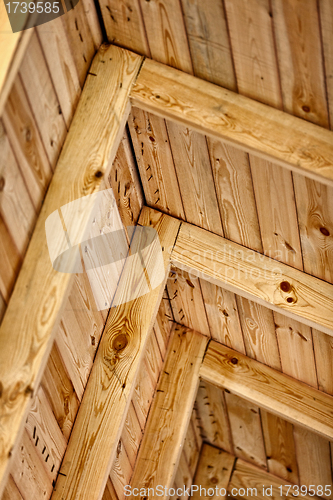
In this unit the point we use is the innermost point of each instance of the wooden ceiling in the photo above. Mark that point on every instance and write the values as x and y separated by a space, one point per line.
276 52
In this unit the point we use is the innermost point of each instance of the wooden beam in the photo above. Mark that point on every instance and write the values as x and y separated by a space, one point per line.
33 311
268 388
170 412
255 277
96 432
272 134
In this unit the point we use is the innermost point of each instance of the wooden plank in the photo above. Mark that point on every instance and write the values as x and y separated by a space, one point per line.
212 411
299 52
124 25
222 316
154 159
109 493
125 182
25 139
93 22
2 307
187 302
183 479
208 39
258 332
162 326
170 412
248 481
60 62
143 394
315 216
280 447
268 388
88 150
166 33
11 491
254 276
121 471
296 349
253 50
213 473
314 460
246 431
326 24
131 435
323 347
43 100
191 450
96 433
10 262
194 173
60 392
236 119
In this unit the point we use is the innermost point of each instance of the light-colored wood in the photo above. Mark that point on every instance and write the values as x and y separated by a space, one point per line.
326 23
95 435
11 491
259 332
208 39
222 315
40 290
60 392
245 424
191 449
280 447
252 126
2 307
268 388
249 477
252 42
186 301
254 276
162 326
194 173
131 435
93 22
323 348
213 473
212 412
109 493
143 394
124 25
171 411
25 139
57 52
10 262
154 158
183 479
299 51
166 33
121 471
313 457
43 99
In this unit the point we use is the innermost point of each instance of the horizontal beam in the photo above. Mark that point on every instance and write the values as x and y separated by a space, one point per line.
34 309
93 442
267 132
268 388
170 412
254 276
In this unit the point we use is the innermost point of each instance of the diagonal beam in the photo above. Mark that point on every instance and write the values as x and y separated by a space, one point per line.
98 425
269 389
254 276
267 132
170 413
40 291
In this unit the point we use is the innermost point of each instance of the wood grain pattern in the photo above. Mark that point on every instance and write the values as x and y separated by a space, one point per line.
245 424
60 61
191 450
252 42
323 348
183 478
213 416
222 316
280 447
25 139
326 24
298 43
154 158
11 491
131 435
10 262
253 126
162 326
96 433
109 493
43 100
166 33
208 39
121 471
214 471
171 411
40 290
268 388
254 276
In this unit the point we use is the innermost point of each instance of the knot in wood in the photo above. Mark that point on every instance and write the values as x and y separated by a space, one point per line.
120 342
2 183
234 361
214 480
285 286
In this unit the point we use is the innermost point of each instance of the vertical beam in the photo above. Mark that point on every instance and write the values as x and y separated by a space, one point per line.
170 412
96 432
33 311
